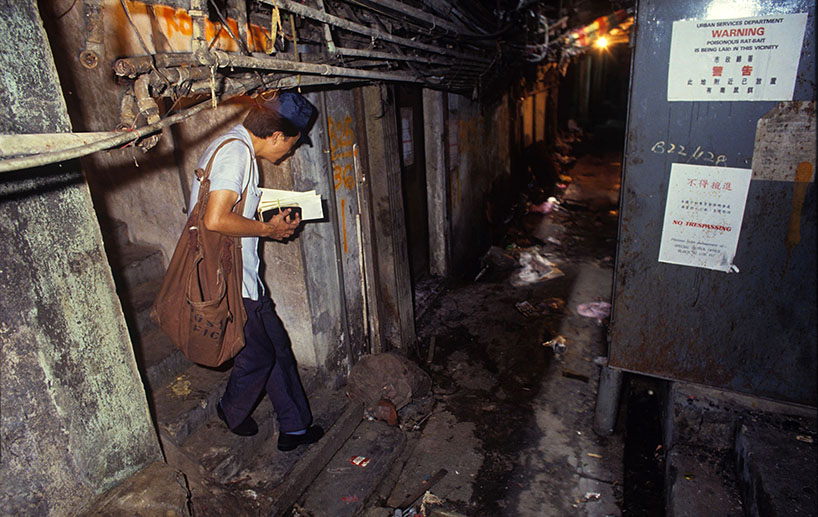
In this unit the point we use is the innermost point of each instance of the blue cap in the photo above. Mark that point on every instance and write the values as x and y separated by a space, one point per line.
296 109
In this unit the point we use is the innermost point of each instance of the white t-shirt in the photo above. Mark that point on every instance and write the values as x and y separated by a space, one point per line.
230 171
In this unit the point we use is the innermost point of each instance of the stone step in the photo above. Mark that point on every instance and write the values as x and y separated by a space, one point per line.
114 233
344 489
187 401
135 264
158 359
777 467
700 482
276 479
137 303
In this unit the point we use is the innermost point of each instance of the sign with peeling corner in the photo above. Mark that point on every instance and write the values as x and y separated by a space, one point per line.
785 138
742 59
703 214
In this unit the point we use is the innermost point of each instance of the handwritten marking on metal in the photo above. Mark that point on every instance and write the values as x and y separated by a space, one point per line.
663 147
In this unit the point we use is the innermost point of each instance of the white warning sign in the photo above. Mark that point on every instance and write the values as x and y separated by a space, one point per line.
745 59
703 214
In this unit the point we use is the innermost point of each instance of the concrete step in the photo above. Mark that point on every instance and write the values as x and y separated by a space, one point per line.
700 482
276 479
137 303
187 401
114 233
158 359
343 488
135 264
777 467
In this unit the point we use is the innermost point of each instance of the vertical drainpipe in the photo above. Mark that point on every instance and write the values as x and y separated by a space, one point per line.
198 14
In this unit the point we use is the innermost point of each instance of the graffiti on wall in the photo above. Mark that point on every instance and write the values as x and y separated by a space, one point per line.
176 28
341 140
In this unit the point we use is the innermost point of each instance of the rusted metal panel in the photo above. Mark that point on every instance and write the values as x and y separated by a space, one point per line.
753 331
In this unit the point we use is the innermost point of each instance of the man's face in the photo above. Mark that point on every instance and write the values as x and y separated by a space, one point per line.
280 147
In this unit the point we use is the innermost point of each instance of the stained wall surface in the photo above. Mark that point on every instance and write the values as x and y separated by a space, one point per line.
75 419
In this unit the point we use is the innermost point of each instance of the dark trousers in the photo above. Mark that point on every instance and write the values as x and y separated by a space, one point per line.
266 363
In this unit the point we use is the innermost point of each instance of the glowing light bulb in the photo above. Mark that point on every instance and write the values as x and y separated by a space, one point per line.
601 42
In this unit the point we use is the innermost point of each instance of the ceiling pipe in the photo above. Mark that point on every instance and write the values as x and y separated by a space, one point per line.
315 14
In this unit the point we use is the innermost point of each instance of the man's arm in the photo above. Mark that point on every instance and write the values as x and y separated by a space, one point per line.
219 217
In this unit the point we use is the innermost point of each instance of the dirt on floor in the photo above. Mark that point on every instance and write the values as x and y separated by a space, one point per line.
515 367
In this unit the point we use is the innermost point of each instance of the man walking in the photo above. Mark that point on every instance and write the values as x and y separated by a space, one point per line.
271 130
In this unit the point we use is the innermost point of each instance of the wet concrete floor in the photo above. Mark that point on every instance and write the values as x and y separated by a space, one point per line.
511 420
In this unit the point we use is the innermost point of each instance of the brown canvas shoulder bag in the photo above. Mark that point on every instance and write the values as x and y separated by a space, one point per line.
199 304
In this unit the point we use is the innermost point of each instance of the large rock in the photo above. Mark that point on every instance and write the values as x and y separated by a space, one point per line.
389 376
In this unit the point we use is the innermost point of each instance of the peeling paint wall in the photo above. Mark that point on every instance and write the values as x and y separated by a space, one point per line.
75 419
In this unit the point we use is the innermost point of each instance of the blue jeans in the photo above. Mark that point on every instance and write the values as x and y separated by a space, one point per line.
266 363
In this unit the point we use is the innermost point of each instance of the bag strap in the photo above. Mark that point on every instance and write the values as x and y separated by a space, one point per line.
204 180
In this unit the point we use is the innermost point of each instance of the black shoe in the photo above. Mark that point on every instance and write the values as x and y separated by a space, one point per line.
247 428
288 442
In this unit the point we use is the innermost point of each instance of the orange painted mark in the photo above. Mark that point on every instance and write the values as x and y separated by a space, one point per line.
341 140
344 223
177 23
803 175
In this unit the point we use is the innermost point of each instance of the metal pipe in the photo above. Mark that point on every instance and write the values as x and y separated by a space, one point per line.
421 15
133 66
198 39
27 145
147 107
315 14
354 52
225 60
117 139
238 8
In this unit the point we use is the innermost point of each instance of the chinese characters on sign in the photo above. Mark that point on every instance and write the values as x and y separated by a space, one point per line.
746 59
705 206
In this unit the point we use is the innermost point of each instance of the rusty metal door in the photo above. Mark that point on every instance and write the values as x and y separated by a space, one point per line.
751 331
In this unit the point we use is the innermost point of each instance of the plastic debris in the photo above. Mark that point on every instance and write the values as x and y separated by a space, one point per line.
557 344
535 268
594 455
350 499
360 461
804 438
598 310
591 496
554 240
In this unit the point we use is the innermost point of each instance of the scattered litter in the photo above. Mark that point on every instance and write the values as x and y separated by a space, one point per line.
590 496
535 268
594 455
251 494
350 499
689 476
565 178
429 498
553 304
598 310
360 461
601 360
554 240
574 375
804 438
526 309
557 344
386 412
562 185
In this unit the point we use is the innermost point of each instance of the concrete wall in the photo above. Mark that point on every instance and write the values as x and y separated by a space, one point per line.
479 151
75 419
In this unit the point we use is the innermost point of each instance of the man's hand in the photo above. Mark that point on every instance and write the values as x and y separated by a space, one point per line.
282 226
219 217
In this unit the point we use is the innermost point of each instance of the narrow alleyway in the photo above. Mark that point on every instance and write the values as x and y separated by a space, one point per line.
512 417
